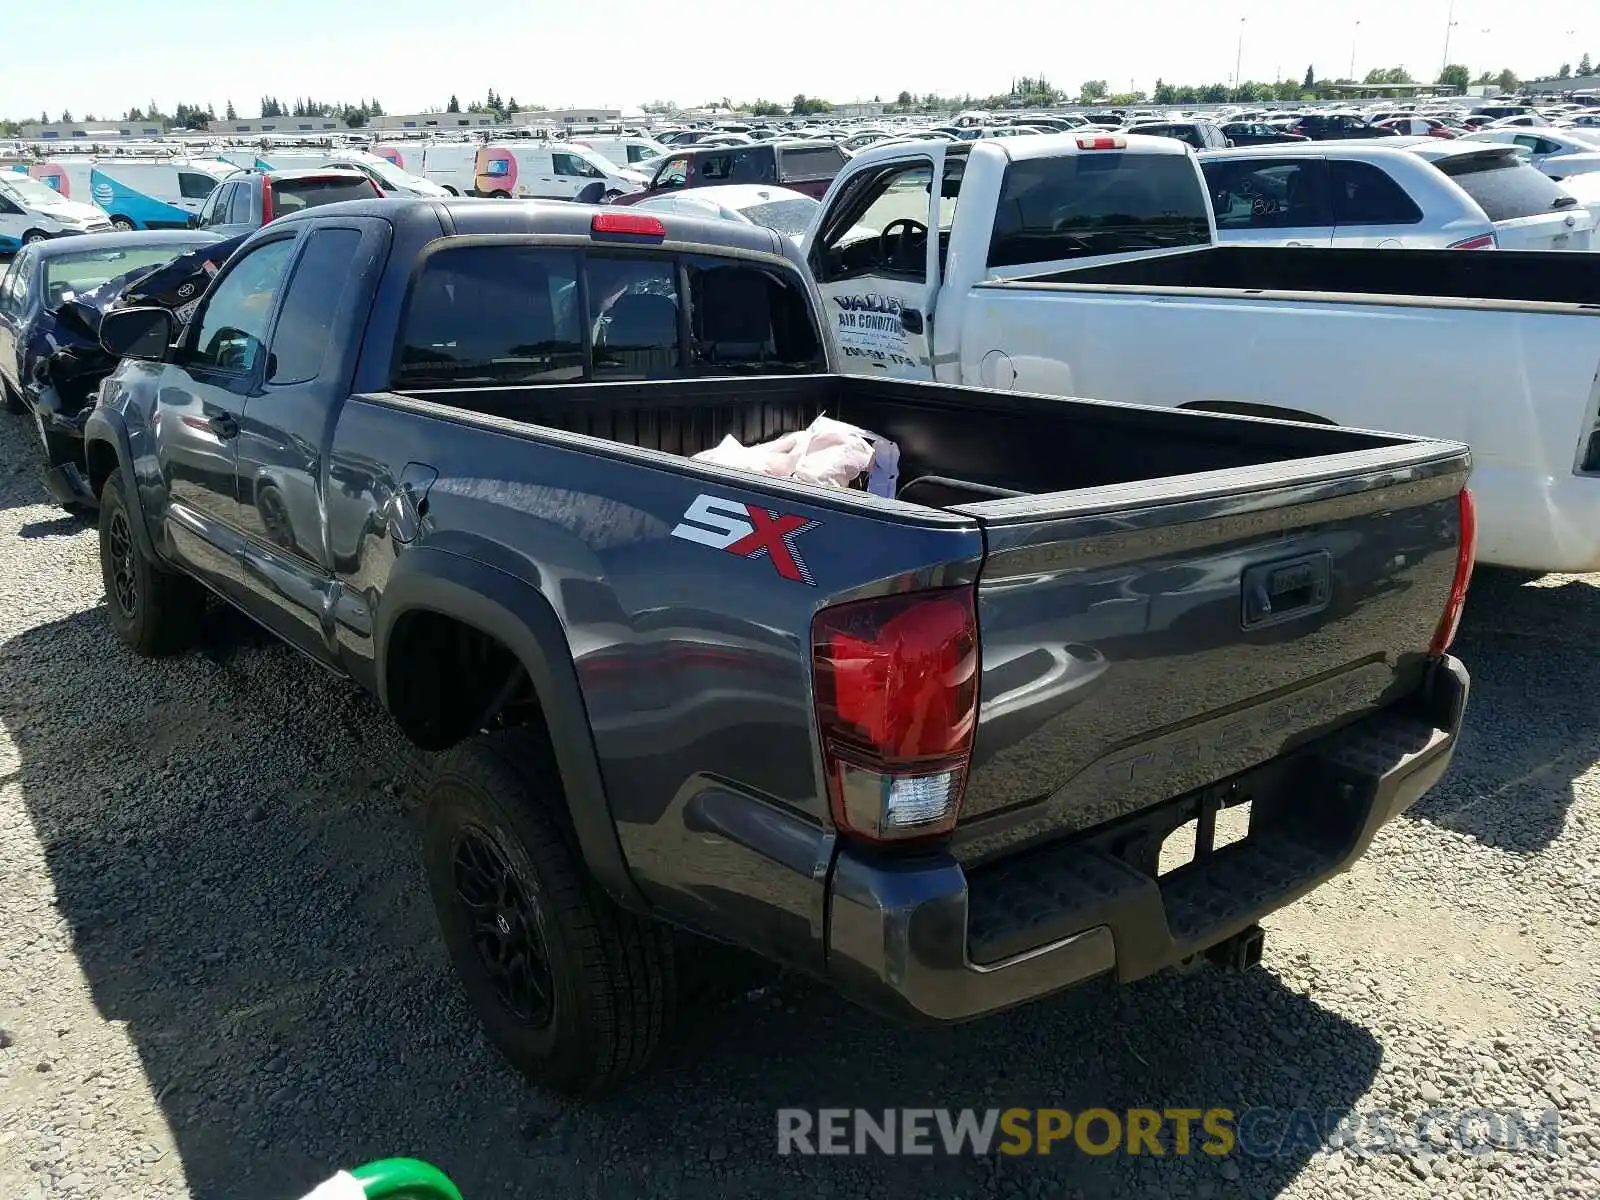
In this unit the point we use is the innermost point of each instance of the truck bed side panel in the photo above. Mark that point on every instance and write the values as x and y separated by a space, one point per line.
1517 385
693 656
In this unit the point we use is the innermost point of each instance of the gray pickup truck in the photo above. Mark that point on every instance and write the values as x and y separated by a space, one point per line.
926 747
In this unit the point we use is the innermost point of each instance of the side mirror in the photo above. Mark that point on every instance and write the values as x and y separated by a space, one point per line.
143 333
194 221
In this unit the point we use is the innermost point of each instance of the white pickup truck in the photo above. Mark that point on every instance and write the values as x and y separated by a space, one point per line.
1086 265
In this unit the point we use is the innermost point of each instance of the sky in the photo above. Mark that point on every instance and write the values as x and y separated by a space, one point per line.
413 54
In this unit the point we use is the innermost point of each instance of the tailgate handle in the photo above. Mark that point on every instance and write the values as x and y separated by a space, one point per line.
1286 589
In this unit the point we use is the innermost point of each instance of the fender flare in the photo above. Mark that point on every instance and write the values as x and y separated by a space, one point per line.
519 616
106 426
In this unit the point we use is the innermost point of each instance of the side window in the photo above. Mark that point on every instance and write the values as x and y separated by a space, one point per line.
492 315
881 227
195 185
1365 195
241 210
570 164
232 328
748 317
1262 193
756 165
10 290
300 340
633 317
1546 146
674 173
714 168
215 211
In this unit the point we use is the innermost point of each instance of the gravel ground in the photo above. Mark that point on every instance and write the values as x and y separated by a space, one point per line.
219 974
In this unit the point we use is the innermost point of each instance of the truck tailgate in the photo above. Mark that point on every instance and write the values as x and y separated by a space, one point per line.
1144 640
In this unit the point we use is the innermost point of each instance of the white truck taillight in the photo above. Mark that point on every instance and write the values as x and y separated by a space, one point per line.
1482 242
1466 555
896 687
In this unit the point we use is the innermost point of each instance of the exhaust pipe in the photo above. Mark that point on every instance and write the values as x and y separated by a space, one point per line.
1240 952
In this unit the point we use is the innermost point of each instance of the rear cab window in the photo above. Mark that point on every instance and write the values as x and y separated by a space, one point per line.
291 195
1097 202
809 163
1505 187
517 314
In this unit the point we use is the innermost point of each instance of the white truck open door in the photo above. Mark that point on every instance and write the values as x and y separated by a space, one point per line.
875 254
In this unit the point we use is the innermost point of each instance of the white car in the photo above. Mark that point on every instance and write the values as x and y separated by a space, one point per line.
1529 210
781 209
1585 189
31 211
1557 152
1339 194
391 180
1473 196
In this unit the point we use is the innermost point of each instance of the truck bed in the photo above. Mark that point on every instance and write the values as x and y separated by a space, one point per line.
1502 277
958 445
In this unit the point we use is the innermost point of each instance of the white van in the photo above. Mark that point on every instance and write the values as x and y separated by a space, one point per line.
31 211
153 193
392 180
550 171
624 151
452 165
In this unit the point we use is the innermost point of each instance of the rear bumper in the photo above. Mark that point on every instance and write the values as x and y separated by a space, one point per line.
926 938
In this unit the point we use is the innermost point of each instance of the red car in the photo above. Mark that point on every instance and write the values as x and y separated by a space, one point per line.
807 167
247 200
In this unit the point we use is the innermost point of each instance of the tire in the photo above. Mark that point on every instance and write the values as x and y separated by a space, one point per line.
123 225
33 236
610 196
506 877
153 611
450 189
14 402
499 195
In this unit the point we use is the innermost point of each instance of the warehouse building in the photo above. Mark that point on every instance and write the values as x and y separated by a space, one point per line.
99 131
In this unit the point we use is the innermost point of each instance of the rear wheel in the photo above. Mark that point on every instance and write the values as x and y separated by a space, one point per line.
570 988
499 195
122 225
153 611
34 235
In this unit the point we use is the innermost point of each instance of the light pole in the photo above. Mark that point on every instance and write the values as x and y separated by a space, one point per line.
1354 34
1238 79
1449 24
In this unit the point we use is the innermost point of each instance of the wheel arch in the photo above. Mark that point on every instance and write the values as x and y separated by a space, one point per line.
437 605
105 448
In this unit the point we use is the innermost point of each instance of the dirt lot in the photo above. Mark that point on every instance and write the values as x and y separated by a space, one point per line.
219 975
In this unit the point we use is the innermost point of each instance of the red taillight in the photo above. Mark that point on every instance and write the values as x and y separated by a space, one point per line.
266 202
1102 143
1466 555
627 224
1483 242
896 686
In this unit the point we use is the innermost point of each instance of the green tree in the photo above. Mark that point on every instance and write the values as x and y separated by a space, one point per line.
1311 79
1486 78
765 108
1382 75
355 118
512 108
1565 72
66 116
454 106
1092 90
1507 80
903 100
1585 67
1457 76
1165 93
228 113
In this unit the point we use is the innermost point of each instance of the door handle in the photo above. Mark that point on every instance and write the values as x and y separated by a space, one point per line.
910 320
223 425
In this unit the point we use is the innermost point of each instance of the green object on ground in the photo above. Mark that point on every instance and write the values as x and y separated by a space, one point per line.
405 1179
